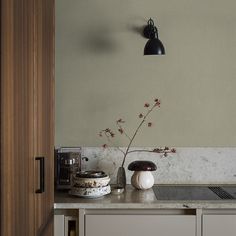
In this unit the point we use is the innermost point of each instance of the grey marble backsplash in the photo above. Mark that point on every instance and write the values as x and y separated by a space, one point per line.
186 166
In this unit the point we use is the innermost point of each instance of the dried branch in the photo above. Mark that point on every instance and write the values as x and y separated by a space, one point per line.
109 134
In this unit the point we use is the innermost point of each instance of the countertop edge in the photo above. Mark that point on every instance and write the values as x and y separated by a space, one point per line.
185 205
136 199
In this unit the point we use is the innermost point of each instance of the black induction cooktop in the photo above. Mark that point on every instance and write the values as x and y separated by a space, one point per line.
184 192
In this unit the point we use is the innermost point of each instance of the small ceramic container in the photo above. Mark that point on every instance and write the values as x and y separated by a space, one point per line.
90 182
90 192
142 177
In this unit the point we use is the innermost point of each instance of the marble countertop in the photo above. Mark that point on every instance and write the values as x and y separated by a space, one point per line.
135 199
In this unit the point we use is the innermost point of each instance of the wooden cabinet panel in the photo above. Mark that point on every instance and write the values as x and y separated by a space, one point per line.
44 107
218 225
17 150
27 98
140 225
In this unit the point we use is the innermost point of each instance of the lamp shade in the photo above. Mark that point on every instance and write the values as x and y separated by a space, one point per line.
154 47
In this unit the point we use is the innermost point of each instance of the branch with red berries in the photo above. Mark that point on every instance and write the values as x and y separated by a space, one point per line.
109 134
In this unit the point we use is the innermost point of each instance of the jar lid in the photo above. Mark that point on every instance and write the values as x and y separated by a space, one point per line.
91 174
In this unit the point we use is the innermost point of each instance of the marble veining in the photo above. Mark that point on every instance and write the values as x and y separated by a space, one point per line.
186 166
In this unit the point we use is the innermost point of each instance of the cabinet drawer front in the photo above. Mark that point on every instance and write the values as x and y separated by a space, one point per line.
59 225
139 225
218 225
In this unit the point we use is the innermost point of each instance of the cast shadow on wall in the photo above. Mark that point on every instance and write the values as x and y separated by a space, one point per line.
101 40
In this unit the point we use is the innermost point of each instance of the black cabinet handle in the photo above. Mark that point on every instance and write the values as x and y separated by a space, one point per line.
42 173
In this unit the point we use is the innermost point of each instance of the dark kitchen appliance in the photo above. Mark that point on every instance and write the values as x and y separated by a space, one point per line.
204 193
67 162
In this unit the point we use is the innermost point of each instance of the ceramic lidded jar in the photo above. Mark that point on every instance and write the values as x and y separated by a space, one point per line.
142 177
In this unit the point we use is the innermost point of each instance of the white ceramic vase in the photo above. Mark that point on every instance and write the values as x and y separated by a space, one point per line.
142 180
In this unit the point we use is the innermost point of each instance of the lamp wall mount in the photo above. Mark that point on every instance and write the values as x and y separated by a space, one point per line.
150 30
153 46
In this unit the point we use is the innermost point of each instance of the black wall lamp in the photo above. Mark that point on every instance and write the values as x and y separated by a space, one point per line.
153 46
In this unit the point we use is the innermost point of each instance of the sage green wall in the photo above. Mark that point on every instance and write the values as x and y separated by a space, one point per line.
102 75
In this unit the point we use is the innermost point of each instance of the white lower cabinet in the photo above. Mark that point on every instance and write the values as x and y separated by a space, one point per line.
66 223
145 222
140 225
219 225
59 225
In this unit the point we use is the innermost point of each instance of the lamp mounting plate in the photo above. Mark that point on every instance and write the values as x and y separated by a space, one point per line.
149 31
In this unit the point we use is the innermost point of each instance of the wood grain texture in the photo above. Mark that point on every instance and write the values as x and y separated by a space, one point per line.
44 107
17 205
27 114
0 118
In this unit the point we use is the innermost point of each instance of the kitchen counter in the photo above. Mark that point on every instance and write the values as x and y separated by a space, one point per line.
136 199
